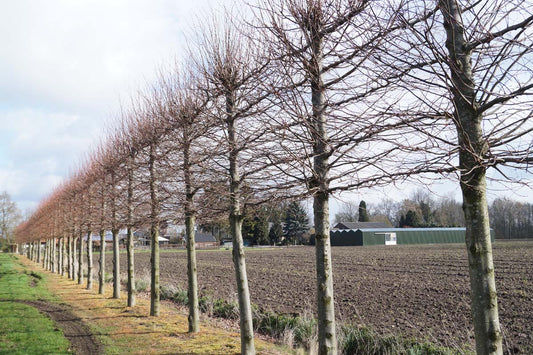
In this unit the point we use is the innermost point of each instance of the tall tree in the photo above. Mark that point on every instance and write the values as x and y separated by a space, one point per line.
183 109
471 104
296 222
363 213
232 67
326 90
348 213
9 217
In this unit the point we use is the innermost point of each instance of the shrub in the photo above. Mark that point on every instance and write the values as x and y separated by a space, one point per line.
361 340
142 285
225 309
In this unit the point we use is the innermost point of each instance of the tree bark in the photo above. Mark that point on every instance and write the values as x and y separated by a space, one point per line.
114 231
473 148
116 264
190 216
154 234
131 268
101 269
69 261
89 260
74 257
39 252
101 261
235 220
327 341
60 255
54 256
80 259
192 291
43 261
129 248
65 257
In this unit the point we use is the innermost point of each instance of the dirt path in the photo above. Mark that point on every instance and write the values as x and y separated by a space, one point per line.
75 330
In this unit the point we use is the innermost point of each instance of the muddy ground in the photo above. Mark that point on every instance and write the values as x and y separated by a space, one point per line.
419 291
81 338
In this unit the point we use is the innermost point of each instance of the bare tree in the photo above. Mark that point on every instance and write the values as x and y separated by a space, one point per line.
230 71
9 217
329 84
183 110
473 100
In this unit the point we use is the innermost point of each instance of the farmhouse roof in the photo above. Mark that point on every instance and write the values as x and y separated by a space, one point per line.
204 238
361 225
159 239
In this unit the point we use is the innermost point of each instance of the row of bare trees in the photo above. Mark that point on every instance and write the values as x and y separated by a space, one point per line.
307 98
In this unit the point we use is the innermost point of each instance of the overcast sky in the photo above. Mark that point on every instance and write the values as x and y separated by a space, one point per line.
66 65
64 68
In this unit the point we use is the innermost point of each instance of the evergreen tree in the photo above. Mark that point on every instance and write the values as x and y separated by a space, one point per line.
363 214
296 222
276 232
412 219
260 231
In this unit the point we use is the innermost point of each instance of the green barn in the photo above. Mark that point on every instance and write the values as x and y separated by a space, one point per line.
397 236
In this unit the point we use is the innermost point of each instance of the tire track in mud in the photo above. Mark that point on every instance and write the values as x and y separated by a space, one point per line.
79 335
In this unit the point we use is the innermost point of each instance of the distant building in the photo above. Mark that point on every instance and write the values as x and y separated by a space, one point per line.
144 241
361 225
394 236
204 241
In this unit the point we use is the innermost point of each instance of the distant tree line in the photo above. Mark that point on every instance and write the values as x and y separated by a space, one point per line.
509 219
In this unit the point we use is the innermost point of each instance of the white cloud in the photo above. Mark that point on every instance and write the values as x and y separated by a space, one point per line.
64 66
86 54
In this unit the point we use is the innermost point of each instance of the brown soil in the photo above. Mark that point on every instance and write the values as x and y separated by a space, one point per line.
75 330
418 291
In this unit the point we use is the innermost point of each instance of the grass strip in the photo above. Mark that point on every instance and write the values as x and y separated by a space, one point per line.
23 329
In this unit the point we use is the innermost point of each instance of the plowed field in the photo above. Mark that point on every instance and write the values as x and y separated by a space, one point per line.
420 291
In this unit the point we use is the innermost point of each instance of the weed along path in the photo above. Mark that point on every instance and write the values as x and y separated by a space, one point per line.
115 328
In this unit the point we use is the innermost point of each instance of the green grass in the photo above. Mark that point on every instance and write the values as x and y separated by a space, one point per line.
23 330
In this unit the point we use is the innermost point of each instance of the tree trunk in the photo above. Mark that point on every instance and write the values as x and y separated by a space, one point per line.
101 269
131 269
80 259
114 231
116 265
69 266
74 257
49 256
59 254
54 256
129 248
89 260
190 216
154 234
65 257
327 341
473 148
192 291
44 253
235 220
39 252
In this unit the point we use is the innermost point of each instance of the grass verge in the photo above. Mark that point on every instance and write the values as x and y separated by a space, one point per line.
23 330
131 330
